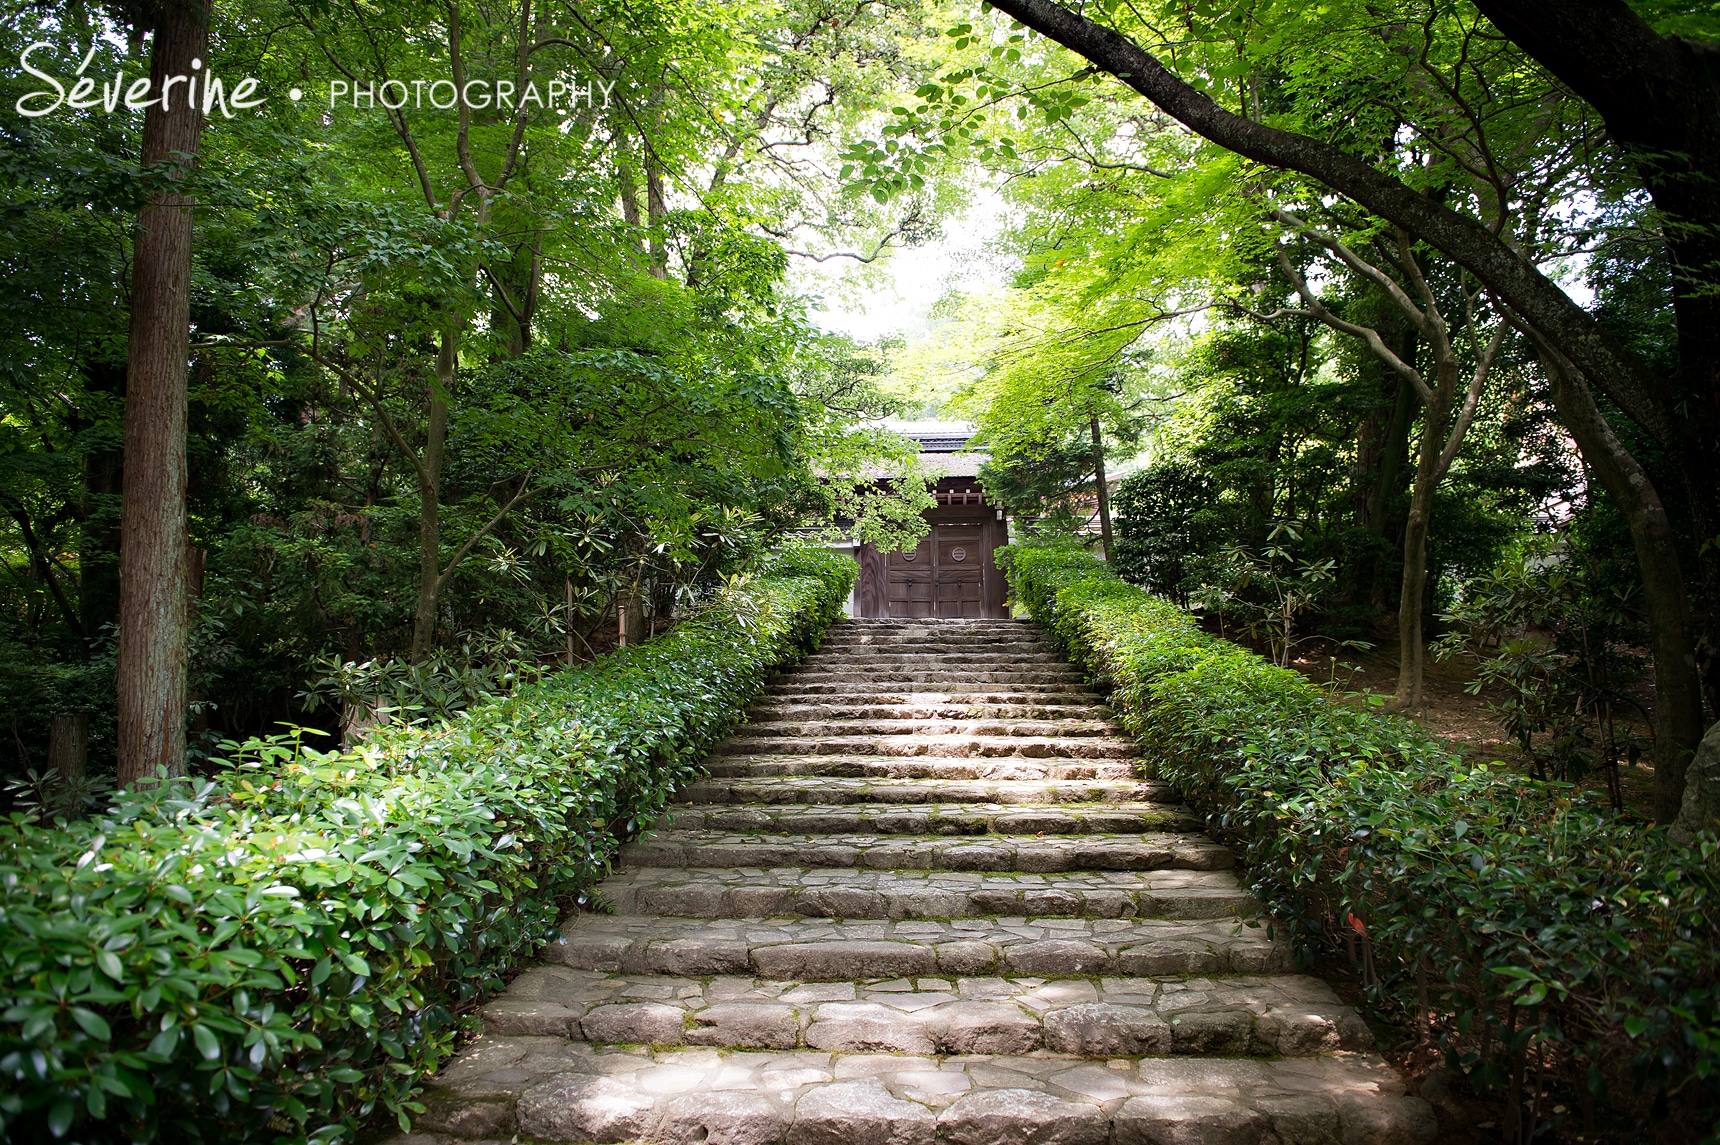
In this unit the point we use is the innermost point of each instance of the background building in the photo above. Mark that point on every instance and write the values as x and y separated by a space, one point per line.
953 572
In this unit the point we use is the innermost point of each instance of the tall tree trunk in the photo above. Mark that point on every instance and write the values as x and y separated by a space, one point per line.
99 511
1411 649
152 603
626 178
1101 487
430 495
656 206
69 745
1438 447
1677 686
1394 449
629 619
656 209
1374 437
630 610
1382 515
1698 316
515 300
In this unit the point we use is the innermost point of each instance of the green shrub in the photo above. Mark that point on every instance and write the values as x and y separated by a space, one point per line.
281 955
1550 946
1169 522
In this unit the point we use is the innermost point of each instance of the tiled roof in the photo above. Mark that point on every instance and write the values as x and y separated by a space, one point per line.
933 436
955 464
942 446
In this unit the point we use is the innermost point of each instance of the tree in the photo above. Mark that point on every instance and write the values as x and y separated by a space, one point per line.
508 208
395 495
1512 278
1660 97
1049 407
1444 421
1516 281
1204 239
1677 694
153 572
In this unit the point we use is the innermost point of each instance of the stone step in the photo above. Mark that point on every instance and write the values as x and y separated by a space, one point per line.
1027 792
936 662
820 950
876 633
1048 855
969 819
733 892
1285 1015
866 646
931 726
918 767
953 637
953 645
786 970
913 675
788 687
893 658
550 1089
950 623
970 708
948 746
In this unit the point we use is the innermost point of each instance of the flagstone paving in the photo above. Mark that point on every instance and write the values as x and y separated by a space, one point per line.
924 896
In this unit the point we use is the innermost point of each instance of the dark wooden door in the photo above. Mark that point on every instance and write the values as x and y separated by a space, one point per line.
960 558
951 574
908 582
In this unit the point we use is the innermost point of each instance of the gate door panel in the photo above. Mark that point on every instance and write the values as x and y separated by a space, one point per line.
960 564
908 589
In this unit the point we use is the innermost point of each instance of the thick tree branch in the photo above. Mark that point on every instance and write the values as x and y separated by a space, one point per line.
1477 383
1660 93
44 563
1513 279
463 129
1368 334
1358 264
523 64
525 493
388 426
502 293
1677 717
1434 327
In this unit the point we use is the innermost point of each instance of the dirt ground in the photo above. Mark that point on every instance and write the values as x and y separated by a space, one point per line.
1462 719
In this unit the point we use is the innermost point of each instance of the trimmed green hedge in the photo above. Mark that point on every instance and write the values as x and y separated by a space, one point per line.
281 955
1549 943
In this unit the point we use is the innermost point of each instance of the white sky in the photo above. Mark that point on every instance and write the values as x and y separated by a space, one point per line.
896 294
871 302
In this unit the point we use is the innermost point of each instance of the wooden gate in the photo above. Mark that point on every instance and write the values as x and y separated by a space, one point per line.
951 574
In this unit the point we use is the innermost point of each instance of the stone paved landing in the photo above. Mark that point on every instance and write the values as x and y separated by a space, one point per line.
926 896
1283 1015
555 1090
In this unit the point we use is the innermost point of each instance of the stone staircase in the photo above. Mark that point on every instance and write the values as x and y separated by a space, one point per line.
925 895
